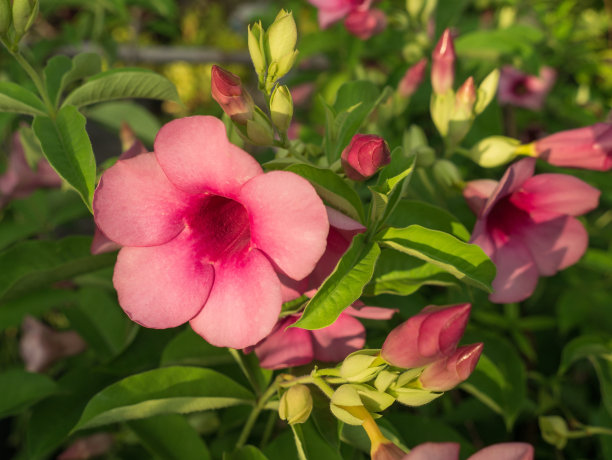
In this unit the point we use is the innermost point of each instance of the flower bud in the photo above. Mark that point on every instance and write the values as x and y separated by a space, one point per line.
412 79
351 400
259 130
295 404
281 108
494 151
5 16
361 366
447 174
364 24
554 430
387 451
465 97
24 14
384 379
414 397
427 337
279 44
447 373
443 64
256 48
365 155
487 91
227 90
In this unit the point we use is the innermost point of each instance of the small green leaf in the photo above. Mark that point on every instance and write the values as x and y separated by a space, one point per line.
54 73
332 189
21 389
122 84
466 262
245 453
170 390
188 349
66 145
343 286
170 437
31 146
113 114
410 212
83 65
14 98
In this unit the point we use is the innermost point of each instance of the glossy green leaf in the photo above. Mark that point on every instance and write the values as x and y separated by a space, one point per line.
66 145
245 453
15 99
493 43
55 70
411 212
466 262
122 84
170 437
331 189
585 346
35 264
21 389
169 390
140 120
343 286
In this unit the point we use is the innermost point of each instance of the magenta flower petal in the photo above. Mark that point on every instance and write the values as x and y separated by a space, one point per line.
162 286
434 451
335 342
505 451
556 243
240 311
285 347
288 220
349 227
441 330
556 193
197 157
513 179
136 205
477 192
517 273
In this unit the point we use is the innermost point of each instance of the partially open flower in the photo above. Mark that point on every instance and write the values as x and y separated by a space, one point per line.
203 233
365 155
524 90
365 23
446 373
227 90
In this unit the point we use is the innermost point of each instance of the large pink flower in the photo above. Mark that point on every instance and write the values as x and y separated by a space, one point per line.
526 225
524 90
331 11
203 232
450 451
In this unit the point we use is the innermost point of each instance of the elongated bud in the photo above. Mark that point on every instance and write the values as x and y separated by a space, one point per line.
443 64
256 35
279 45
466 96
412 79
352 403
487 91
447 174
427 337
227 90
365 155
494 151
6 16
447 373
361 366
364 24
24 14
281 108
295 404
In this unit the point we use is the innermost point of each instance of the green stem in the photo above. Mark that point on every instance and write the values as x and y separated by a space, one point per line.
35 77
323 386
269 428
261 402
245 370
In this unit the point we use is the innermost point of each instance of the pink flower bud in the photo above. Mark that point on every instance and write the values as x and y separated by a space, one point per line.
447 373
227 90
412 79
88 447
466 95
365 23
443 64
431 335
589 148
365 155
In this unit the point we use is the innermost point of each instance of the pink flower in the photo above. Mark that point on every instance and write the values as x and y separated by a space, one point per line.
19 180
450 451
412 78
364 24
295 347
589 147
203 232
526 225
431 335
446 373
524 90
443 64
331 11
88 447
364 156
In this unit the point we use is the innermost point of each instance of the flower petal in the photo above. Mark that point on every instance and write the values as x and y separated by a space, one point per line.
197 157
136 205
361 310
288 220
517 273
556 193
556 244
514 177
434 451
477 192
285 347
505 451
162 286
102 243
335 342
244 302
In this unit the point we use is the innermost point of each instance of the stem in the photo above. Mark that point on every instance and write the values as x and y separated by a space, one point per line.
323 386
261 402
35 77
268 430
245 370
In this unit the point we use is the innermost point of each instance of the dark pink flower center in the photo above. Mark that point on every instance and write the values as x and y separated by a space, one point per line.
506 219
220 226
520 87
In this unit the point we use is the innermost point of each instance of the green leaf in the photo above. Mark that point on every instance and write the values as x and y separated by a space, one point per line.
283 446
603 368
410 212
35 264
121 84
83 65
331 189
31 147
492 44
112 114
343 286
466 262
170 437
245 453
585 346
169 390
14 98
66 145
188 349
54 73
21 389
34 303
400 274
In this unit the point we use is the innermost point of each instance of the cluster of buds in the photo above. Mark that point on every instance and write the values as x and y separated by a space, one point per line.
453 112
16 18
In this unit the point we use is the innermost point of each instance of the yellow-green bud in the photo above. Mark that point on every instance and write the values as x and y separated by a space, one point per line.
24 14
346 396
486 91
384 379
361 366
295 404
441 109
281 108
494 151
256 48
5 16
281 36
414 396
446 173
554 430
259 130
